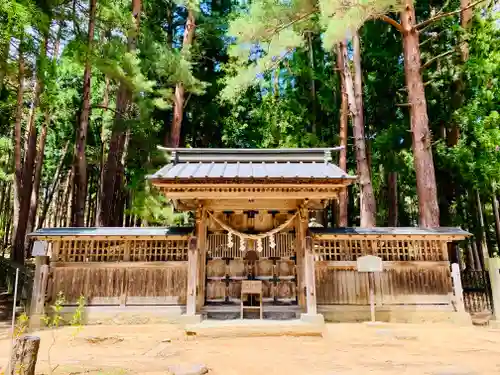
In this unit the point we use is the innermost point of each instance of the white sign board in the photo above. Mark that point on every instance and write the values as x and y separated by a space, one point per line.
39 249
369 263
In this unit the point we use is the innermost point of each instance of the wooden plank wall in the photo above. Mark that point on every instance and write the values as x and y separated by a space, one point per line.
119 272
338 283
415 273
128 283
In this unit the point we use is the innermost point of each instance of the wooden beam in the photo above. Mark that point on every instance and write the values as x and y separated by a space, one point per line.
250 194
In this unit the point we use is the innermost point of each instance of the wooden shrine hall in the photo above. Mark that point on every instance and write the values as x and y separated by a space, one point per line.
252 245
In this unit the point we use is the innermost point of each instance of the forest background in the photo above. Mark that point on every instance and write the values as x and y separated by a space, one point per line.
89 88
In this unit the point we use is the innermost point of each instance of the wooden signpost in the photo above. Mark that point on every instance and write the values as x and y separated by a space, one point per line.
370 264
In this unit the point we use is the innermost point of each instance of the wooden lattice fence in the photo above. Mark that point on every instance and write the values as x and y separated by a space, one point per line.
415 272
476 291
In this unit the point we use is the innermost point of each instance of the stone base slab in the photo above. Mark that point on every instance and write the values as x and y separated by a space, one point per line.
93 315
395 314
253 327
313 319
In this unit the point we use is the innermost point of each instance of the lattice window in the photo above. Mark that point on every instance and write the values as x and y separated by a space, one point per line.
158 250
342 250
91 251
217 246
121 250
388 250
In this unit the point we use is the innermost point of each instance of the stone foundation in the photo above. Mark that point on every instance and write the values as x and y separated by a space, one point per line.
332 313
129 314
395 314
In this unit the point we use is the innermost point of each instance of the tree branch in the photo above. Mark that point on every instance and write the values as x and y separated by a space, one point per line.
442 15
428 63
434 36
302 17
392 22
100 106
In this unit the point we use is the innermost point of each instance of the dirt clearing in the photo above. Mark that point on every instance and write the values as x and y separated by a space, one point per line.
345 349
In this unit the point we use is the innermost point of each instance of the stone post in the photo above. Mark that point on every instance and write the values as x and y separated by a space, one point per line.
37 303
457 287
494 273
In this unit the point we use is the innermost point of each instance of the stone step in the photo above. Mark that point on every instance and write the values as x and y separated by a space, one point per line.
253 327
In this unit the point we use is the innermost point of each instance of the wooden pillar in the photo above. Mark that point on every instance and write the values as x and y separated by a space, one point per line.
310 281
192 275
300 235
201 234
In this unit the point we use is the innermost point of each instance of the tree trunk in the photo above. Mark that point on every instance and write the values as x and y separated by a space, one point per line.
24 355
313 82
178 110
41 145
170 23
367 204
466 14
4 57
102 158
80 161
111 181
53 186
7 213
344 112
497 218
68 198
392 185
29 164
482 229
422 148
38 174
17 254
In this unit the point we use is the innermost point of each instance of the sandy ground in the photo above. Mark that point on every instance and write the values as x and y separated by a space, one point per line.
344 349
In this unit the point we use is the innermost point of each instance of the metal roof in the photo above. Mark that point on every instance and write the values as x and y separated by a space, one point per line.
217 163
396 231
113 231
251 170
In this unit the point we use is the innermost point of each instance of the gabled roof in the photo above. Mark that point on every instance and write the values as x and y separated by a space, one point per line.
313 163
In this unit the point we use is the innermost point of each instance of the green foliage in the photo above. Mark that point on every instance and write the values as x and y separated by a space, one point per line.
22 324
477 155
269 32
5 155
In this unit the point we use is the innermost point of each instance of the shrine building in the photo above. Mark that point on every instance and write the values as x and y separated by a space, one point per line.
252 212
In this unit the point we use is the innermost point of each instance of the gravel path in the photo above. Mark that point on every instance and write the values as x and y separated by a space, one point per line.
345 349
